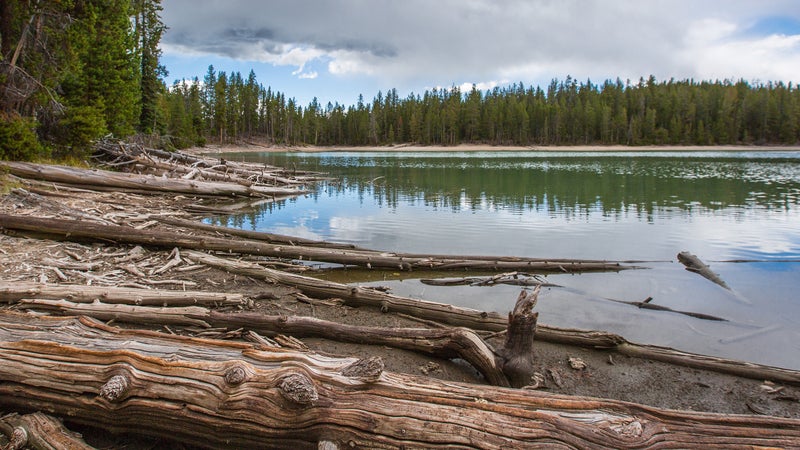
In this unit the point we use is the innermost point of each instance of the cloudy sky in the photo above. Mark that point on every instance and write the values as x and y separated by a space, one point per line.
336 49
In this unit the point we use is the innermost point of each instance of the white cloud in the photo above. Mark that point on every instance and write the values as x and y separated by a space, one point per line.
423 43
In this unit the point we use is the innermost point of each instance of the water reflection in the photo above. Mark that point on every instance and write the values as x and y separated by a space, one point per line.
621 206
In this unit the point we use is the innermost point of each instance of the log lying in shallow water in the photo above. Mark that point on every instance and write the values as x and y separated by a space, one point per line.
219 394
492 321
694 264
76 229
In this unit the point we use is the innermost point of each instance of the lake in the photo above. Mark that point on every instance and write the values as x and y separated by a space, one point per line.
721 206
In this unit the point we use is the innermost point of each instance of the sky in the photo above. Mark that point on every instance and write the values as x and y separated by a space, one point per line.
337 49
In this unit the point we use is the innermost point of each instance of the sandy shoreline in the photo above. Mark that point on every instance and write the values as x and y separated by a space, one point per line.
256 148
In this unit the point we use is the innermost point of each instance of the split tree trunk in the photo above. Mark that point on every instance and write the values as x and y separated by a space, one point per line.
218 394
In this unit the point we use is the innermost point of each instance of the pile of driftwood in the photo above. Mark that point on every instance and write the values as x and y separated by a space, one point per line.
242 379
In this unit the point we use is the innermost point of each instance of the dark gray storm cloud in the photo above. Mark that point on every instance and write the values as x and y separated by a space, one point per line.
484 40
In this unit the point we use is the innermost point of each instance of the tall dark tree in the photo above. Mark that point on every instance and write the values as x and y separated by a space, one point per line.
148 29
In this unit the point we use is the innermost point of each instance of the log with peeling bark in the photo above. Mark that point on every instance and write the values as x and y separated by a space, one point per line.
75 229
140 183
12 292
220 394
492 321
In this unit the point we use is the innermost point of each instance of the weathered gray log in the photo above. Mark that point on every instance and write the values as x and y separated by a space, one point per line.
73 229
516 356
12 292
103 178
694 264
492 321
143 315
219 394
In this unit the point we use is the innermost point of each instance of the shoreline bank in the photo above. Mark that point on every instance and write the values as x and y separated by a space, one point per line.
258 148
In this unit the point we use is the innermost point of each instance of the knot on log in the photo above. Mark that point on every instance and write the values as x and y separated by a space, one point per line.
235 375
368 370
19 439
299 389
115 388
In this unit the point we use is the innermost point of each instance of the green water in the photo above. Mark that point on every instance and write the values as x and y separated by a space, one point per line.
622 206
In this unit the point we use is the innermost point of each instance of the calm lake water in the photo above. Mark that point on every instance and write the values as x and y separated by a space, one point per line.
720 206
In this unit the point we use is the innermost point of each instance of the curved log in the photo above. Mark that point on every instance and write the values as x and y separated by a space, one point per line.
218 394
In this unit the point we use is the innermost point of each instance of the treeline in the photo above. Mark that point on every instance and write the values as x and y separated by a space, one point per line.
74 70
229 108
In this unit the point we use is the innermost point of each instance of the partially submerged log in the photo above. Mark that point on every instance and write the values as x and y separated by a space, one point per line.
492 321
73 229
223 394
140 183
694 264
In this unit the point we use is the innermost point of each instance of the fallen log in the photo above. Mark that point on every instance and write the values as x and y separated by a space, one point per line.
254 235
38 431
492 321
448 343
13 292
694 264
368 258
149 315
225 394
139 183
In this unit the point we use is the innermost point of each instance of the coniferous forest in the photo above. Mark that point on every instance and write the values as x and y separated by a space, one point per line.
74 71
228 108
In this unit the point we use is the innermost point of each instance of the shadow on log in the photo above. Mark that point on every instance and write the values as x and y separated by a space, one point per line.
218 394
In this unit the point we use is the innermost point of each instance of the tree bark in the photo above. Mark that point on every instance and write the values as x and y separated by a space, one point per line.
39 431
219 394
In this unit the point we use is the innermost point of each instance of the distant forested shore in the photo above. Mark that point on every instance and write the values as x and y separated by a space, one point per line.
73 72
227 108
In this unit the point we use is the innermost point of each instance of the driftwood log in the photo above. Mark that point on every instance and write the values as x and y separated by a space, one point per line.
444 342
140 183
77 229
39 431
220 394
12 292
492 321
694 264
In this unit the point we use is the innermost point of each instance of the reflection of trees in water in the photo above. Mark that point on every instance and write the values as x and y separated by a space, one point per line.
571 186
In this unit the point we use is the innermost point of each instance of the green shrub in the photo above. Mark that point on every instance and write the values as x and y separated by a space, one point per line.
78 129
18 140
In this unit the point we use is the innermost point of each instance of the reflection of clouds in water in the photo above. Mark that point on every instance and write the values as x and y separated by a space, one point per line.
759 234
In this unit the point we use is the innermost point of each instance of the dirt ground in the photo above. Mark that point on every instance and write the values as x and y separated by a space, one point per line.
606 375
